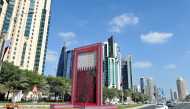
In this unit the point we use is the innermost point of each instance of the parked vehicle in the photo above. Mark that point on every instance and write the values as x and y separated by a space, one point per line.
170 104
161 106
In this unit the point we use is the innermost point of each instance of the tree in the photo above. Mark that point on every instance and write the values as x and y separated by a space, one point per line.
58 86
11 77
3 88
127 93
34 79
16 79
139 97
187 98
110 93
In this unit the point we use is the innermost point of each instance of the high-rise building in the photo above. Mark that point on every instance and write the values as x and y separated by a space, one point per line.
142 84
175 95
157 94
3 9
26 25
111 64
148 87
65 63
136 88
171 95
127 78
62 63
181 88
69 64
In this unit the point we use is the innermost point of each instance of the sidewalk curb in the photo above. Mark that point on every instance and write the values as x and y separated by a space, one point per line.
139 107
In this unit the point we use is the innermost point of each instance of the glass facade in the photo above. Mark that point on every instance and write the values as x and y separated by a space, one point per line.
29 19
65 64
69 64
1 5
23 55
127 78
43 67
112 67
62 63
40 39
8 16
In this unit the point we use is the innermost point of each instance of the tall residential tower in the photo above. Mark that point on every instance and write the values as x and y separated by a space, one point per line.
3 9
26 25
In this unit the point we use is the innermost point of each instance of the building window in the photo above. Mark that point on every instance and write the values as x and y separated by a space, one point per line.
23 54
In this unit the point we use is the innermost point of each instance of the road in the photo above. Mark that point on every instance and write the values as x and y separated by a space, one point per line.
179 106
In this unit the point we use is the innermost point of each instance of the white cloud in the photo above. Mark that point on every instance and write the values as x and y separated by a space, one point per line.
170 66
142 64
119 22
51 56
68 37
156 37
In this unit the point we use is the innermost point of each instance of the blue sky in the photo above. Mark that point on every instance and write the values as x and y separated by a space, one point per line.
155 32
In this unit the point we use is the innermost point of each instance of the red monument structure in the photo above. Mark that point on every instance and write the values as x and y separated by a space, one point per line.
87 79
87 75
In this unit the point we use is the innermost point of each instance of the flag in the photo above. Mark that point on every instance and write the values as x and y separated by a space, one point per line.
7 45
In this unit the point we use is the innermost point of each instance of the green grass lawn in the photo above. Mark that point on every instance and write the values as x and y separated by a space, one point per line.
128 106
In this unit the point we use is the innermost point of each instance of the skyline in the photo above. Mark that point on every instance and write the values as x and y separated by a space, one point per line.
157 40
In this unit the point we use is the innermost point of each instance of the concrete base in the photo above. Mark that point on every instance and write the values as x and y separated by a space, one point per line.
69 106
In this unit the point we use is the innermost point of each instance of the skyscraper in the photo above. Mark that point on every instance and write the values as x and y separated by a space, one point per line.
150 88
136 88
62 63
127 79
175 95
26 25
181 88
112 64
147 87
65 63
142 84
3 9
171 95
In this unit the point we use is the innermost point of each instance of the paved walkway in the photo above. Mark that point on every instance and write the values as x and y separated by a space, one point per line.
30 107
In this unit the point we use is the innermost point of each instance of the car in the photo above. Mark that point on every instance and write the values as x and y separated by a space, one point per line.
161 106
170 104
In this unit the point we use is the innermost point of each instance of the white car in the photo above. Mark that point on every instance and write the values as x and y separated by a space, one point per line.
161 106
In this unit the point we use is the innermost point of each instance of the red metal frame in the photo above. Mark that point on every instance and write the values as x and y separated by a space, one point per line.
90 48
